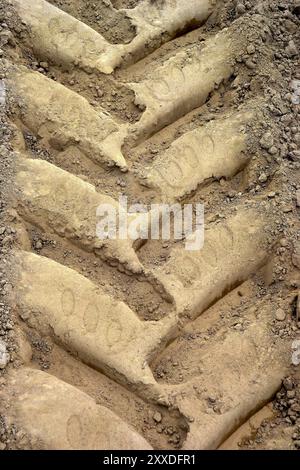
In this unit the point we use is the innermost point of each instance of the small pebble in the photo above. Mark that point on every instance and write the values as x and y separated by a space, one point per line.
157 417
280 314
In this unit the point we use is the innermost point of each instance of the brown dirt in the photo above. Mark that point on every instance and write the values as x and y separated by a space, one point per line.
115 26
125 3
255 307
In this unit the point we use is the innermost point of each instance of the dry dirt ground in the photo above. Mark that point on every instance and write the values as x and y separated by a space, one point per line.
124 344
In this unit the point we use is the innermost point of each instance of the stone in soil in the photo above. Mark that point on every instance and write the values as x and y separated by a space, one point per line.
280 314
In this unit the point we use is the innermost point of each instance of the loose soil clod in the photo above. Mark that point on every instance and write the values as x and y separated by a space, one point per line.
153 346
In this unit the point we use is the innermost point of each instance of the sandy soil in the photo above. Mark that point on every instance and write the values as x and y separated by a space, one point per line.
202 108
